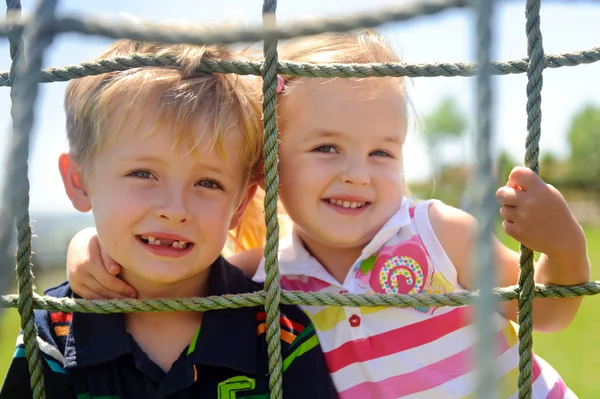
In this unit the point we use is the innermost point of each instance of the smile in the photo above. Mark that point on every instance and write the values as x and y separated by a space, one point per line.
346 204
171 247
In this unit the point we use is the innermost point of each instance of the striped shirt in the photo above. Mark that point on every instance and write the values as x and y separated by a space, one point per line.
389 353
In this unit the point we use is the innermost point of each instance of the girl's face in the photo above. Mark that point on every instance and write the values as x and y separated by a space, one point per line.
340 159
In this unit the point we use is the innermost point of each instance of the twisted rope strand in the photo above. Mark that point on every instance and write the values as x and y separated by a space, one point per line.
23 96
535 53
293 298
240 67
272 281
484 189
192 34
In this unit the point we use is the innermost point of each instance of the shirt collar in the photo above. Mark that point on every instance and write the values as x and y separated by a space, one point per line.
227 336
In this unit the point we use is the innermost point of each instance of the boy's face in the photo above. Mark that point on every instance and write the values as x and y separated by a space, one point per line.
163 213
341 159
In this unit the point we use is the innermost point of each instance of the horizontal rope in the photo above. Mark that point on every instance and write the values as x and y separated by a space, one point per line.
292 298
195 34
463 69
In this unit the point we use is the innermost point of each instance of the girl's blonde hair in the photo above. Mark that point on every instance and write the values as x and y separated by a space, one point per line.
358 47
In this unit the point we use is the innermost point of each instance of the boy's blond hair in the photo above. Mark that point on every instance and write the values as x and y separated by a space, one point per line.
178 97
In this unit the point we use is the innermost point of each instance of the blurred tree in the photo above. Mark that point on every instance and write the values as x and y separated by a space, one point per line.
584 137
446 122
505 164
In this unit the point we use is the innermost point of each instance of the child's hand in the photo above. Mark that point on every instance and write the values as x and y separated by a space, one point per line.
92 274
537 215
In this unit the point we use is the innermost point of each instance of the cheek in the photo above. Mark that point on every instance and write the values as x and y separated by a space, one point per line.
213 212
389 179
116 215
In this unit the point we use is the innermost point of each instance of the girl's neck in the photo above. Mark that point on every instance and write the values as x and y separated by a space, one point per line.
337 261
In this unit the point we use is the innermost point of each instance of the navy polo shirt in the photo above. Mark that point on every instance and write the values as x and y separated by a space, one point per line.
91 356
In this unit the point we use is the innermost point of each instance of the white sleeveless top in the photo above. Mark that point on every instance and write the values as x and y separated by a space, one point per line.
389 353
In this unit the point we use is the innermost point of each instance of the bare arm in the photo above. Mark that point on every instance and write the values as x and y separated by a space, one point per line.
247 261
563 264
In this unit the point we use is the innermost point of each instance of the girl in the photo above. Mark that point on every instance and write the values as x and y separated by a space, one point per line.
354 230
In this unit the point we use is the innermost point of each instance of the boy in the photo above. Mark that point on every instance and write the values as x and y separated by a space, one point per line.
165 159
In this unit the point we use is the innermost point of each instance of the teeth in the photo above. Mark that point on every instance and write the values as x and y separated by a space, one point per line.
346 204
176 244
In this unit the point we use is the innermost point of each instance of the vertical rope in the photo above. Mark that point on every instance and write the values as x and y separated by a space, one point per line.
273 299
535 52
23 96
485 207
7 213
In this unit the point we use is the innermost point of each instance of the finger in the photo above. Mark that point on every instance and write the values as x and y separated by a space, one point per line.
523 178
116 286
109 263
508 196
509 213
112 267
512 229
87 293
103 291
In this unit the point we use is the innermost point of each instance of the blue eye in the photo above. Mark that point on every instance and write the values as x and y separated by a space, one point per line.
141 174
210 184
326 148
380 153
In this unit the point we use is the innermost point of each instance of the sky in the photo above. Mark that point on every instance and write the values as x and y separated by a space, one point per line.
446 37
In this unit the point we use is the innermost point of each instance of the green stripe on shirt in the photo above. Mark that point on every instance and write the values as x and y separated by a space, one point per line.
308 330
310 343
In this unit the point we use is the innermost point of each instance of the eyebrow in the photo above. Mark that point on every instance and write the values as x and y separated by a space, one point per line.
331 134
201 164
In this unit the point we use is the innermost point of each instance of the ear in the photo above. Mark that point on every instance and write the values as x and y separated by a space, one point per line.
246 198
260 179
72 180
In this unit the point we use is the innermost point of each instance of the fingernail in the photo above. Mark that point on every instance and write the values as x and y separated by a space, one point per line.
132 294
113 268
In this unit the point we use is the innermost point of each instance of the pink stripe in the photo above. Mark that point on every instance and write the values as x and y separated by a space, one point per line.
536 368
559 389
397 340
423 379
303 283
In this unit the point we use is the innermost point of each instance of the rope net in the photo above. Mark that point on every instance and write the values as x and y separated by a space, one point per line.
42 25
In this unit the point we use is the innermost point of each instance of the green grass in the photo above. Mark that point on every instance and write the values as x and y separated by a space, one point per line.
10 322
574 352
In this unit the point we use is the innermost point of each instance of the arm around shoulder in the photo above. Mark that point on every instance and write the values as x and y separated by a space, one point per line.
247 261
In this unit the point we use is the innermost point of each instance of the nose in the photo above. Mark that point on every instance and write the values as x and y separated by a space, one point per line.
355 172
173 209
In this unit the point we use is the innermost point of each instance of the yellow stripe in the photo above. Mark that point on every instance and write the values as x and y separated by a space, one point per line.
327 318
506 386
61 331
510 334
